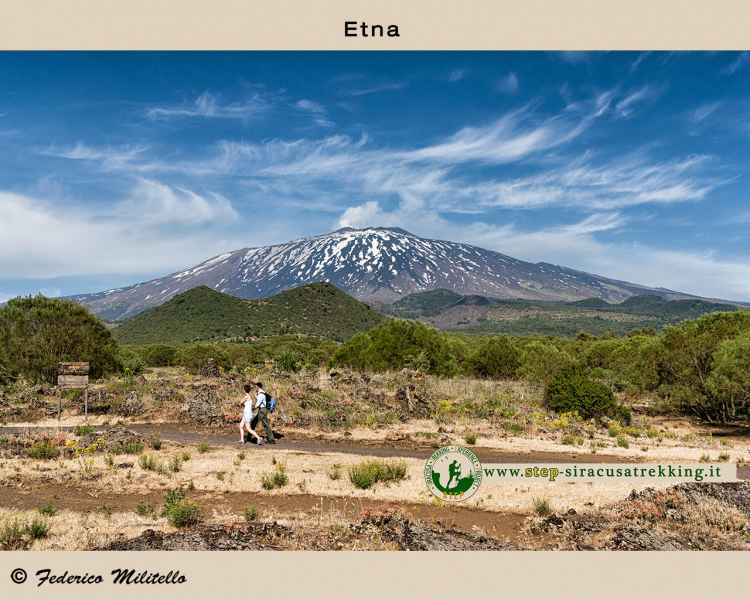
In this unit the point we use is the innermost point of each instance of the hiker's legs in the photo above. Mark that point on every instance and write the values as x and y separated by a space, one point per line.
266 424
242 430
252 432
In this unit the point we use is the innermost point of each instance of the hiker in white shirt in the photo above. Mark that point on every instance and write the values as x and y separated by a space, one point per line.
261 405
247 416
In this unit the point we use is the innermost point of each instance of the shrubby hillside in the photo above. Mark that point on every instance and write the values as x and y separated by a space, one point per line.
204 314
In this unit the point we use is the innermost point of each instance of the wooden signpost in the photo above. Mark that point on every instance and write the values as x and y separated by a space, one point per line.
73 376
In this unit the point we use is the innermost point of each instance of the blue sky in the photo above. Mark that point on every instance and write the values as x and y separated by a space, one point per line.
117 167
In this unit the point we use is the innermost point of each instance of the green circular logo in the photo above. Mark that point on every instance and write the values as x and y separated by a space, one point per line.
453 473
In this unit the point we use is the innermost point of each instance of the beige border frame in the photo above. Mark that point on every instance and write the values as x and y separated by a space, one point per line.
424 24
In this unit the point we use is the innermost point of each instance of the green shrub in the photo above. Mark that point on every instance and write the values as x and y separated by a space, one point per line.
155 443
159 355
44 450
541 361
195 357
48 509
728 385
276 479
470 438
622 441
37 529
288 362
690 351
495 358
251 513
144 509
37 333
397 344
184 514
572 390
203 447
132 447
130 361
542 506
12 535
367 473
148 462
81 430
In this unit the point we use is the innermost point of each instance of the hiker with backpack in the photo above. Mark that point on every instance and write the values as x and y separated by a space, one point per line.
247 421
265 404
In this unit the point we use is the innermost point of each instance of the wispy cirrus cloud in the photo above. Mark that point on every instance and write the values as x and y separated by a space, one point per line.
737 64
703 112
316 110
208 106
508 84
456 75
625 107
391 86
110 158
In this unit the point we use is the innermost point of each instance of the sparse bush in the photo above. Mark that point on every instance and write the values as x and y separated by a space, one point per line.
622 441
37 529
48 509
43 450
276 479
203 447
184 514
175 464
132 447
542 506
155 443
12 535
367 473
144 509
334 473
148 462
81 430
251 513
470 438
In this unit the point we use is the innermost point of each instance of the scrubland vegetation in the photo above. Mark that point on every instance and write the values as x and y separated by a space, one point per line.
699 368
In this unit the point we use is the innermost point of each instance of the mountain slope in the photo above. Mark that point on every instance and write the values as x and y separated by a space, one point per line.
203 314
480 314
376 265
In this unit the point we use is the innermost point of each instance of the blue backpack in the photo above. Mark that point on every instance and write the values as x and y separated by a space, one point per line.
270 403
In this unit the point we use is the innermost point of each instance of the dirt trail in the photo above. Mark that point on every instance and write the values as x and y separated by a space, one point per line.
505 525
409 448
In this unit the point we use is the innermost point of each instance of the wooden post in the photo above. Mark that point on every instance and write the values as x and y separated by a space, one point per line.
86 404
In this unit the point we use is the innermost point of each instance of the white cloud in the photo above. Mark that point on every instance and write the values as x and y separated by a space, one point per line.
704 111
376 89
508 84
39 239
109 158
626 106
316 110
456 75
153 203
736 64
208 106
